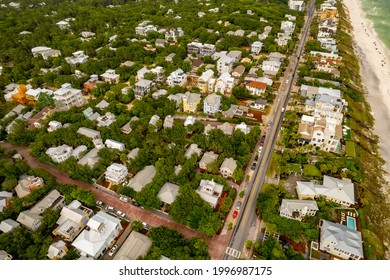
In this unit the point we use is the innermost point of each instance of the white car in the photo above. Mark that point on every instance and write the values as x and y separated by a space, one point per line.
120 214
124 199
113 250
110 208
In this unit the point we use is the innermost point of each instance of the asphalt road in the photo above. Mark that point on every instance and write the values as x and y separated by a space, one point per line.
247 216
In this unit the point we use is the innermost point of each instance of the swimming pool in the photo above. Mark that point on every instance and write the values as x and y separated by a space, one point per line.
351 223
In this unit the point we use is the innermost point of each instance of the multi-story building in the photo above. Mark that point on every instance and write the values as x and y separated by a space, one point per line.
177 78
190 102
210 191
142 87
203 81
227 168
67 97
116 173
211 104
60 153
256 47
224 84
297 209
225 64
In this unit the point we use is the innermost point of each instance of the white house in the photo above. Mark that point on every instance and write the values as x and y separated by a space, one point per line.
190 120
259 104
53 125
60 153
90 133
341 191
271 67
102 230
243 127
45 52
256 47
227 168
142 87
113 144
296 5
110 77
207 158
168 193
210 191
57 250
256 88
224 84
225 64
142 178
177 78
67 97
211 104
78 58
193 149
297 209
116 173
340 241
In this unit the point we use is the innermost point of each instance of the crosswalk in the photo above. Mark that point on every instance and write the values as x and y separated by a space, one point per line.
233 252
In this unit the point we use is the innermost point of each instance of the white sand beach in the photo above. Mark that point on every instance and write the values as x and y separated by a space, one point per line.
375 71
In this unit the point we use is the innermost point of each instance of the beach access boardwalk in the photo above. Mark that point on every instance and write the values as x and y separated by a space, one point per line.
217 244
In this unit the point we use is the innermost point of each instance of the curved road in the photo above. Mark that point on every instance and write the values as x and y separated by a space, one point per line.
217 244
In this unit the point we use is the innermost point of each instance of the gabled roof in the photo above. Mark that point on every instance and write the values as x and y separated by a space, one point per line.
142 178
135 246
8 225
258 85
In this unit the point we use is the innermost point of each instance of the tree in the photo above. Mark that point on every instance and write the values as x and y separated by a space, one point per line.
137 226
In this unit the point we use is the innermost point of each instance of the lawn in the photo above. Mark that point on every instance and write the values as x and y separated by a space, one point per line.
311 171
350 149
294 167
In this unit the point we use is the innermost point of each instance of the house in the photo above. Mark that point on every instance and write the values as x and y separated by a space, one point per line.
102 105
208 157
135 246
78 151
142 178
178 98
325 54
144 27
287 27
236 55
160 43
27 184
142 87
4 197
211 104
243 127
172 34
340 241
329 44
225 64
282 39
295 209
126 129
204 79
90 133
73 218
341 191
224 84
91 83
270 67
296 5
193 149
226 128
90 159
78 58
57 250
60 153
113 144
190 102
106 120
132 155
168 122
31 219
63 24
116 173
256 88
4 256
168 193
238 71
102 230
170 57
276 56
210 191
201 49
45 52
86 35
67 97
259 104
227 168
110 77
142 72
177 78
153 120
190 120
8 225
54 125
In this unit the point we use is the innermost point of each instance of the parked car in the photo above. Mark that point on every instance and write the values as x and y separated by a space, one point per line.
113 250
235 213
110 208
256 157
120 214
124 199
253 167
145 225
99 203
238 206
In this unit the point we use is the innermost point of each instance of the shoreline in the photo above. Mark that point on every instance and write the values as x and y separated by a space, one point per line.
374 63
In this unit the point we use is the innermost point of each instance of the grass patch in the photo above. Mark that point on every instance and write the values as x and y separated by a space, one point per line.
294 167
350 149
372 245
310 171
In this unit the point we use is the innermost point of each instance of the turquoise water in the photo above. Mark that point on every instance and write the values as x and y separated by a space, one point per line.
351 223
378 11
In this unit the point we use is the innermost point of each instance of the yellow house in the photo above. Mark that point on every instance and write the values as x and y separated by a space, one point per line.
329 14
190 102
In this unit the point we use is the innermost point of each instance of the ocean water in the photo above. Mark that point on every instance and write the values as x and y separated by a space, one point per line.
378 12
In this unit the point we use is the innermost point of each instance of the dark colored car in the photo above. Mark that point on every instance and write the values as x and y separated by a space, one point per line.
256 157
253 167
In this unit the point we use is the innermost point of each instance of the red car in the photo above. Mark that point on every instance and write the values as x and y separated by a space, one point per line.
235 213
